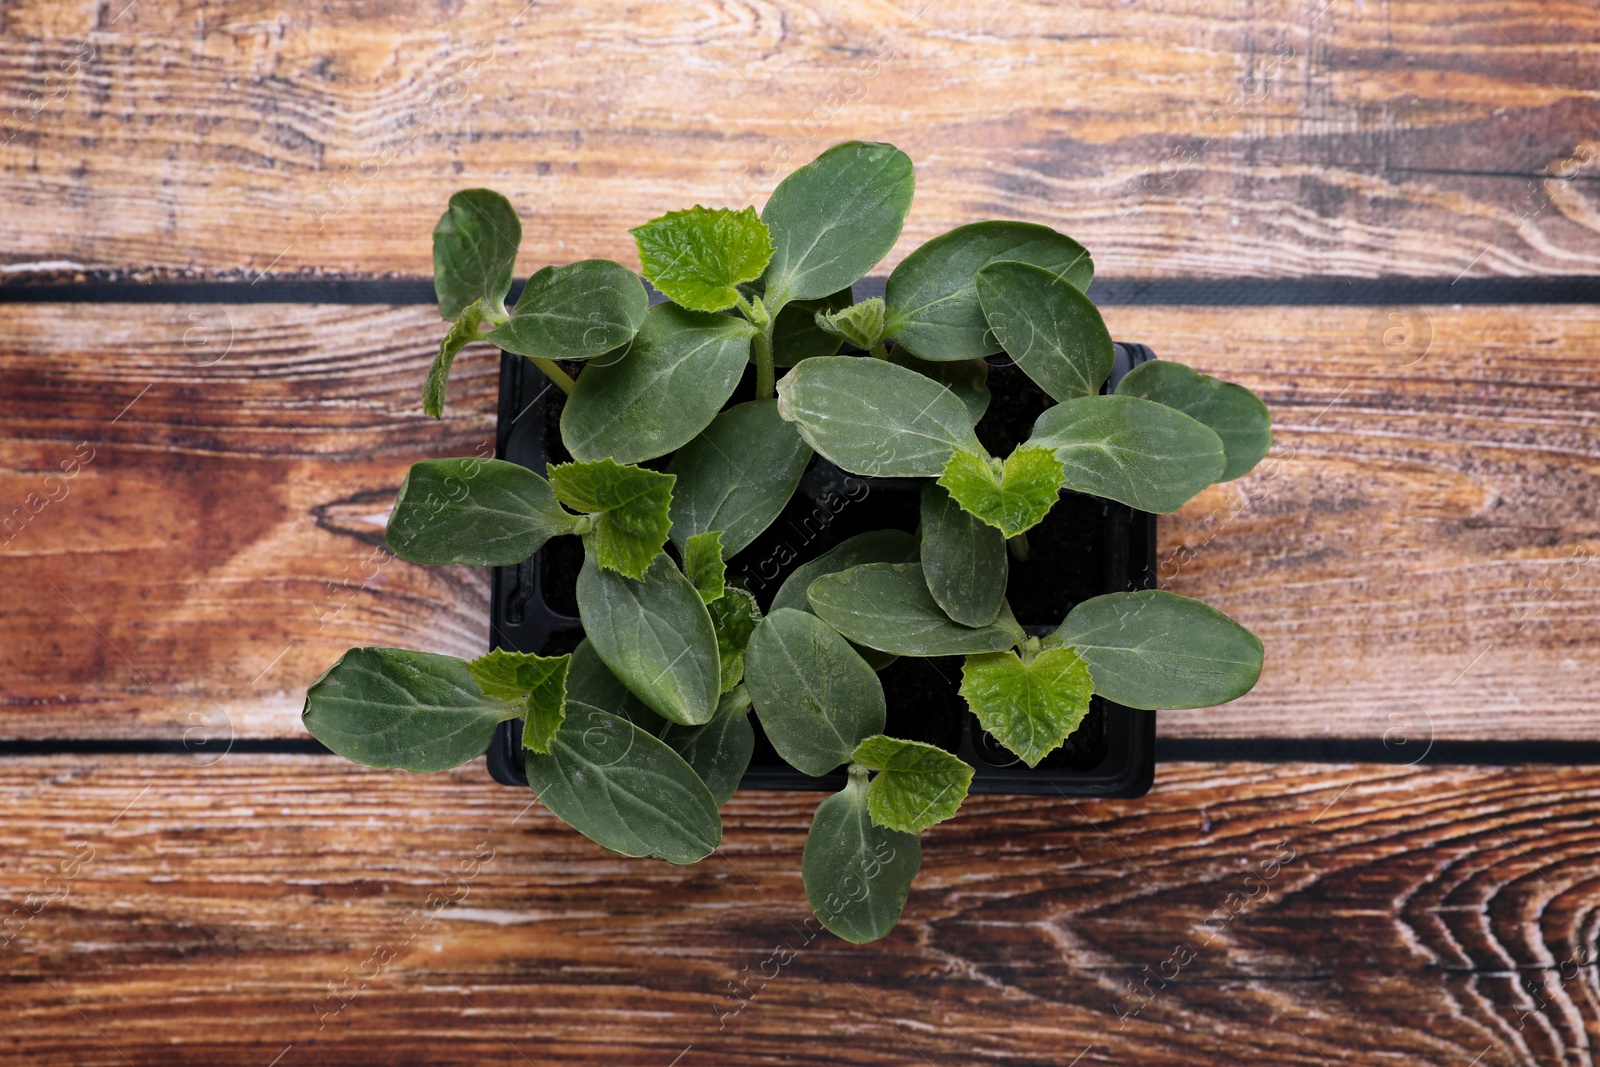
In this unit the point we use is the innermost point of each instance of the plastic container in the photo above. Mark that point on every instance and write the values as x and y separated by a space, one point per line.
1086 547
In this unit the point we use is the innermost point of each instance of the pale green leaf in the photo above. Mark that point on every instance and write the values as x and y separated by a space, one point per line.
963 559
1012 499
1048 328
1146 455
860 324
1154 649
575 312
462 333
887 606
474 251
1233 412
704 567
917 785
733 616
540 682
1030 705
634 508
484 512
857 874
737 475
873 418
698 257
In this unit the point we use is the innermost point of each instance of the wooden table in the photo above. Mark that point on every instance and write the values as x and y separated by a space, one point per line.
1383 217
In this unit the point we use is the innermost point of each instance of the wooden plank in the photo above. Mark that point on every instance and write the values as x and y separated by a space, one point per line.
1177 138
302 908
1422 543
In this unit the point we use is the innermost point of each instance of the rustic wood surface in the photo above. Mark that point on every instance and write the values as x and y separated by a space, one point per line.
1424 538
259 907
1179 138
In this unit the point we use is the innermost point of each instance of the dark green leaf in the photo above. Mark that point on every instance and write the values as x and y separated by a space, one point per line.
967 378
704 566
1048 328
655 635
1013 499
1155 649
634 507
462 333
1030 705
815 697
860 324
625 789
540 682
578 311
917 785
666 388
720 750
887 606
932 295
1146 455
475 251
874 418
963 559
484 512
698 257
834 218
590 681
879 546
388 707
857 874
737 475
733 616
796 335
1233 412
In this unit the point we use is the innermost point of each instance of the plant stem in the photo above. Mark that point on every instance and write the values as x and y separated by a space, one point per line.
766 379
560 377
879 351
1019 548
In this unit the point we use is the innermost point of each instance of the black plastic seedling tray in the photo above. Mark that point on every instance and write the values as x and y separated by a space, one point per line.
1086 547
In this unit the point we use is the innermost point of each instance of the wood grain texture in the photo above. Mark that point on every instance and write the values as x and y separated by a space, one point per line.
1182 138
1360 915
1423 541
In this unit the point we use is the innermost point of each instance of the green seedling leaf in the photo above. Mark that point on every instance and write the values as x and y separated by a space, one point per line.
475 251
874 418
624 789
666 388
1146 455
887 606
733 616
796 335
834 218
815 697
963 559
655 635
879 546
857 874
720 750
462 333
539 682
917 785
860 324
590 681
698 257
575 312
704 566
737 475
1030 705
388 707
633 506
1048 328
1155 649
1233 412
1013 498
932 297
967 378
483 512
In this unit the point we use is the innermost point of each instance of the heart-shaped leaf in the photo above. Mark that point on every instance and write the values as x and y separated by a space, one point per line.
720 750
1029 704
698 257
1154 649
682 367
887 606
483 512
704 567
857 874
463 332
475 251
1233 412
574 312
733 616
389 707
1048 328
860 324
834 218
963 559
932 296
633 505
540 682
1146 455
815 697
655 635
874 418
917 785
737 475
1012 499
878 546
625 789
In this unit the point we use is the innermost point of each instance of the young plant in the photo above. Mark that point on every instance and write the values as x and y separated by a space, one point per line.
642 733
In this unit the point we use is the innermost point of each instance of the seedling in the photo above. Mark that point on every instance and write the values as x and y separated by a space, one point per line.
639 736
